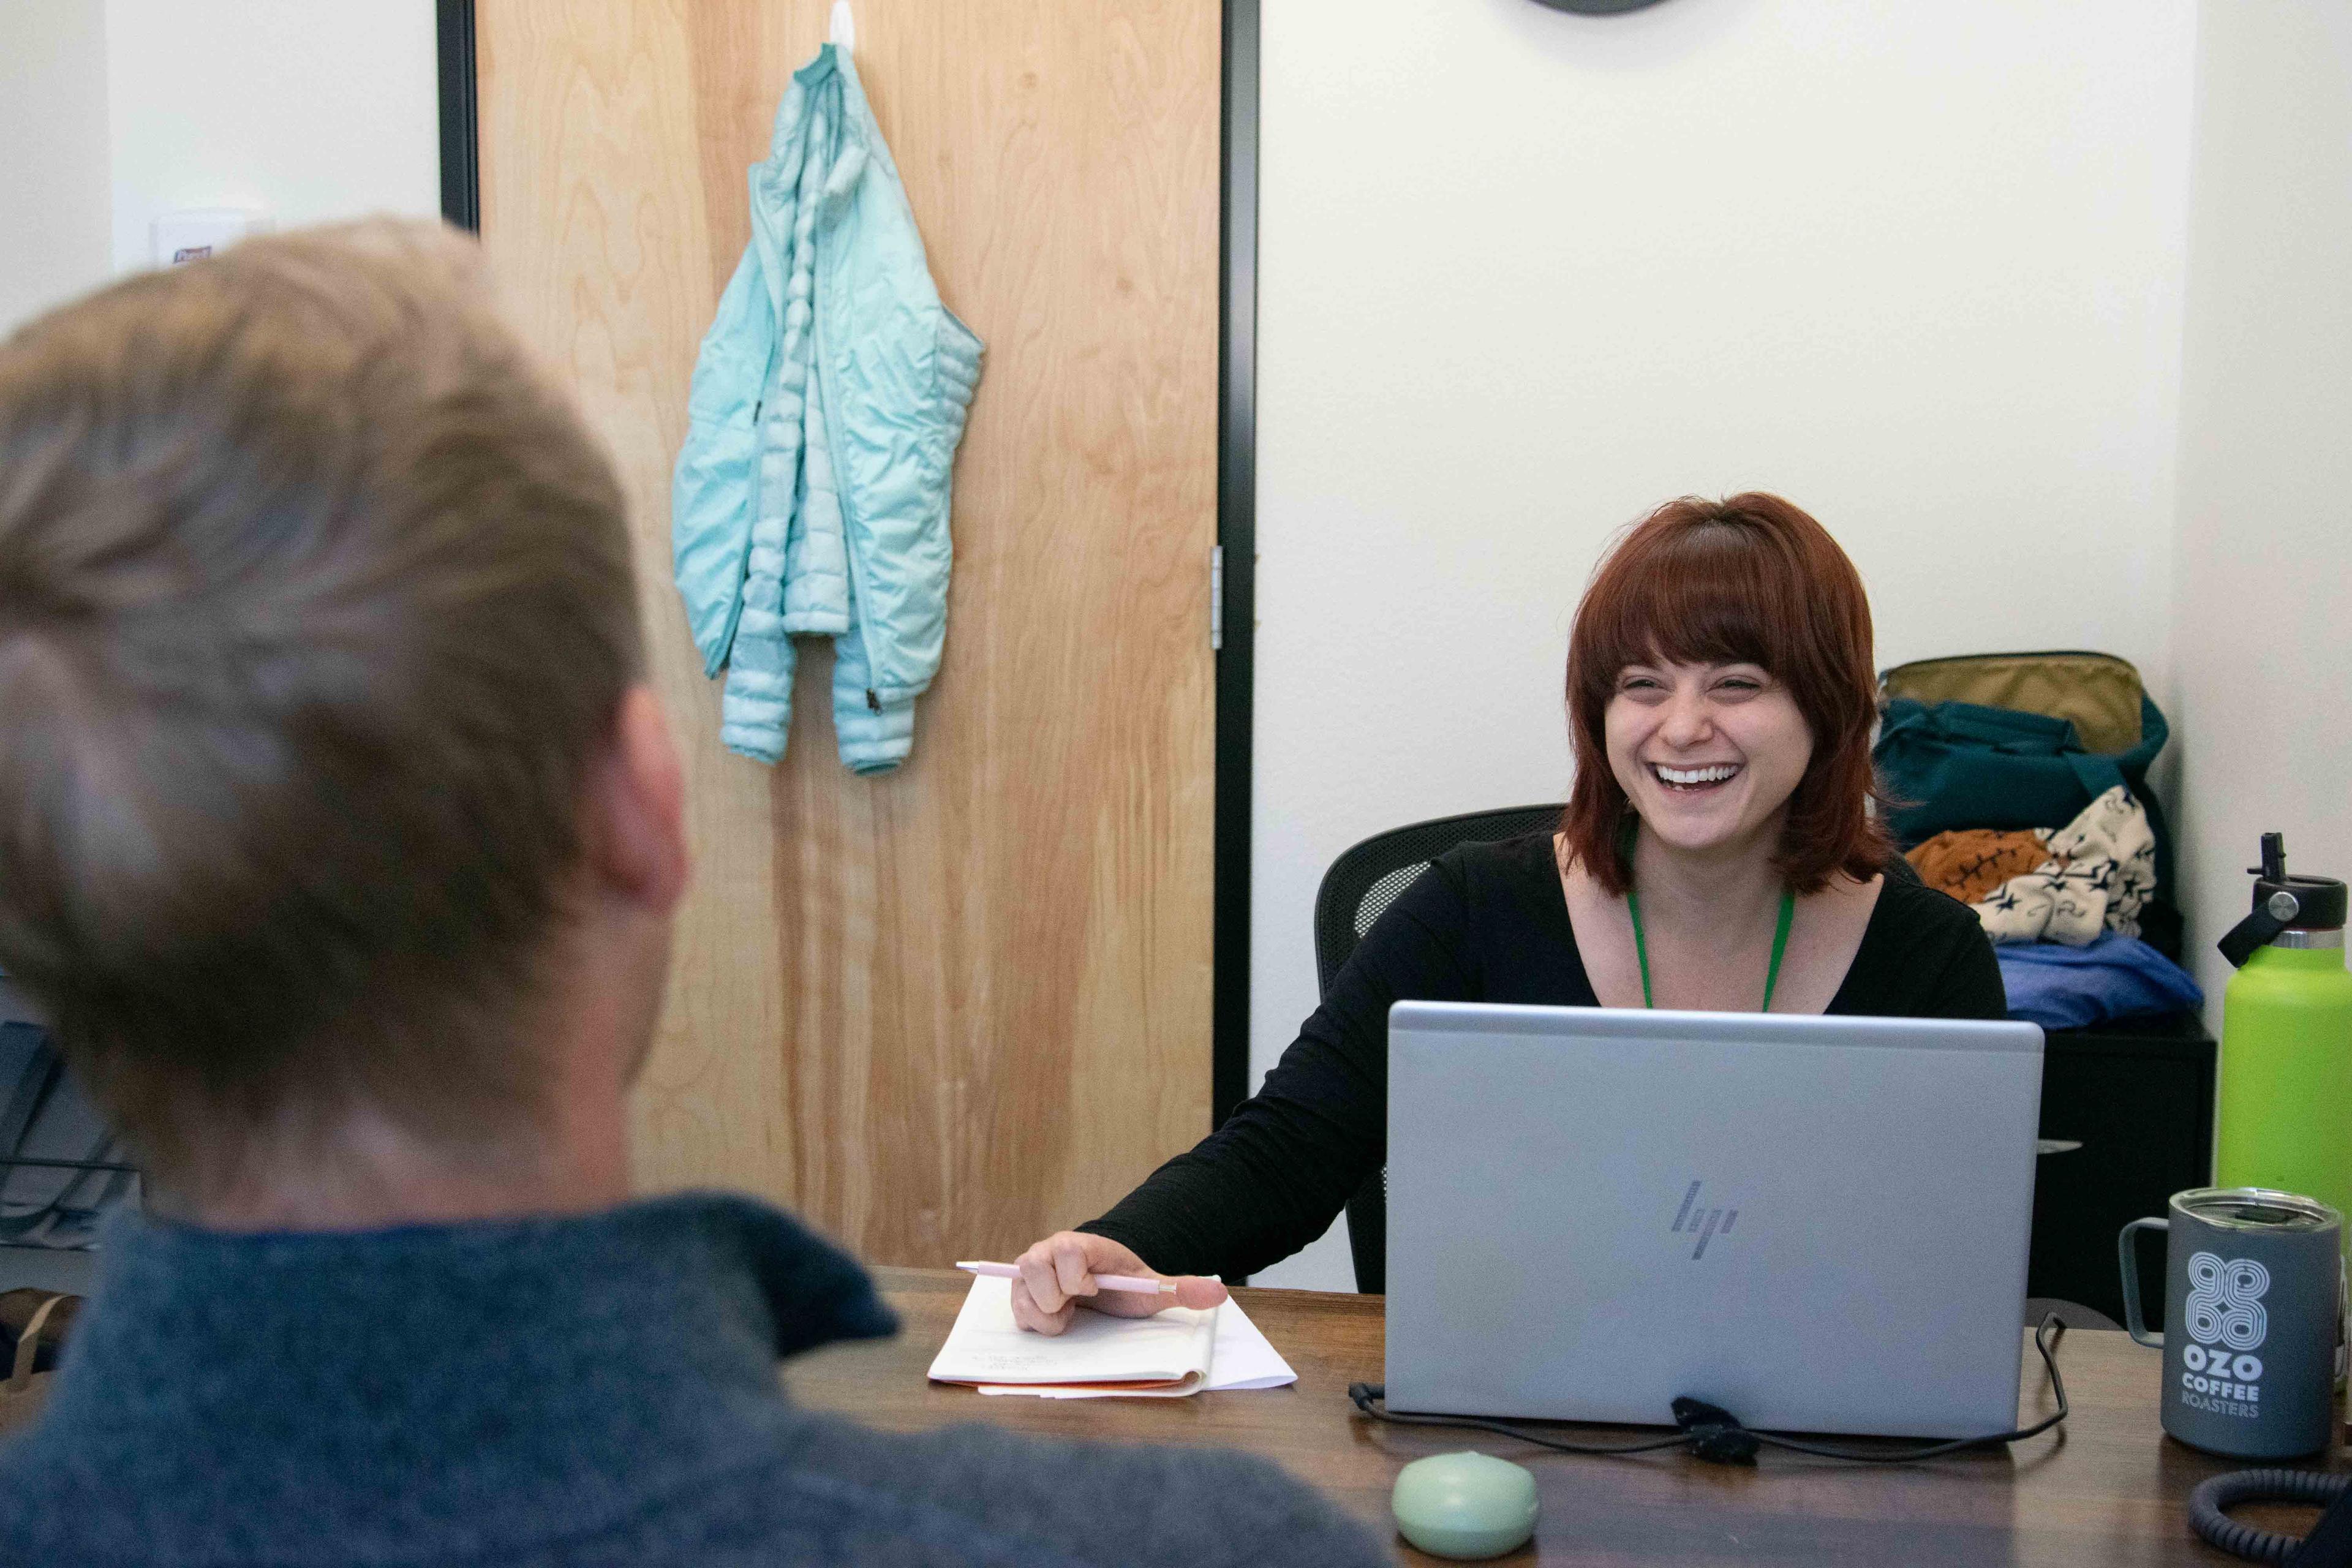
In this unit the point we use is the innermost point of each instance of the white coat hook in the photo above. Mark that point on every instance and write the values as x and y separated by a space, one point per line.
845 28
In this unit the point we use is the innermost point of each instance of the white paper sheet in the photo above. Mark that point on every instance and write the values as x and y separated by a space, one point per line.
1187 1349
1244 1358
1170 1347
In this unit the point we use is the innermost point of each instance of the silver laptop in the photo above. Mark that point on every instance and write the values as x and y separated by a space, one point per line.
1819 1223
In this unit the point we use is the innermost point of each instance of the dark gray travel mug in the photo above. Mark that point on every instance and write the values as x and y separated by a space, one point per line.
2253 1313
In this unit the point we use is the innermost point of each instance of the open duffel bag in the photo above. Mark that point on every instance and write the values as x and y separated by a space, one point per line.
2014 741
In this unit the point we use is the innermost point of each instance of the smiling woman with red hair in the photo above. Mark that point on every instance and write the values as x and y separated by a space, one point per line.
1718 852
1750 582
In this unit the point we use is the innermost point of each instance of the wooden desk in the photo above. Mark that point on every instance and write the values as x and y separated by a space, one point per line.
2107 1487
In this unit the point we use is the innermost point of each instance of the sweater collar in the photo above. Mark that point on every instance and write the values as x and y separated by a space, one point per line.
541 1361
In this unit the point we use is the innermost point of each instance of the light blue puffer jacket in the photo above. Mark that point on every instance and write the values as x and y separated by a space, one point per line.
812 494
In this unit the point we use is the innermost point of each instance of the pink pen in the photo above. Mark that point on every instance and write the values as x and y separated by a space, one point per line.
1108 1281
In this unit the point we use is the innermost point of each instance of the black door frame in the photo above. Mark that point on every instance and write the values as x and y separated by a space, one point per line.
1237 545
461 140
461 204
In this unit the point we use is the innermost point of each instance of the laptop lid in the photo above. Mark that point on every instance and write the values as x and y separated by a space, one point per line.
1818 1223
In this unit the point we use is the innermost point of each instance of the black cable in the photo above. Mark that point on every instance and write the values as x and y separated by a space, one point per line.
2212 1496
1369 1397
1715 1435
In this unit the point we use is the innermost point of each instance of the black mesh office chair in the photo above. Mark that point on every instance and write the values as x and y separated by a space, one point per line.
1357 888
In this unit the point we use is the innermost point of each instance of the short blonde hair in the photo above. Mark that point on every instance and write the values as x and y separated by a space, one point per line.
315 608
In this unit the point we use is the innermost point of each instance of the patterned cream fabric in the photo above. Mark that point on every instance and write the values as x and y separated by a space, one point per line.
2100 872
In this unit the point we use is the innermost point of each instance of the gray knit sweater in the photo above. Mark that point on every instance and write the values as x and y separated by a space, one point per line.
586 1391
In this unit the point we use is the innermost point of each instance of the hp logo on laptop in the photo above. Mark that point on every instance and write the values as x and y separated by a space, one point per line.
1695 1219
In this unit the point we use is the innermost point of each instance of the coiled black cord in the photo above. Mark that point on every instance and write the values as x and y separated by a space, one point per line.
1715 1435
2212 1498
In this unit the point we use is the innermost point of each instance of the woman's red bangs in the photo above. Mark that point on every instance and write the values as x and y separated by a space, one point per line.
1689 599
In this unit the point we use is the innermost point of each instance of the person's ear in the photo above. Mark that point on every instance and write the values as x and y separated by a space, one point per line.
636 832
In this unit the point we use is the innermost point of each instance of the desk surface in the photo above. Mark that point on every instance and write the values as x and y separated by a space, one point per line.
2106 1489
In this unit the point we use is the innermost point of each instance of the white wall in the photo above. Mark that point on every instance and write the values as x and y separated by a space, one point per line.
1524 275
2263 630
54 217
311 111
112 111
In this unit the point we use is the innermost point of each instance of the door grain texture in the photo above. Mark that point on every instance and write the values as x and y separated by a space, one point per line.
942 1012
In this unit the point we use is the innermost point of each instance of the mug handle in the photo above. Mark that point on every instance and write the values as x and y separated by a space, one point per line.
2133 1320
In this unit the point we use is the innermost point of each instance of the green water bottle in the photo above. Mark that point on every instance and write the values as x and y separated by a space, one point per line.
2286 1040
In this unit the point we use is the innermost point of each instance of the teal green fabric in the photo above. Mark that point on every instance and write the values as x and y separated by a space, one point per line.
813 492
1960 764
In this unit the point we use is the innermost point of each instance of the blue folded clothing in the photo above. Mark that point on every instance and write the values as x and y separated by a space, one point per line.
2114 977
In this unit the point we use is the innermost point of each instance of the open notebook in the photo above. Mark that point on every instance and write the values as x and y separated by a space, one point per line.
1174 1352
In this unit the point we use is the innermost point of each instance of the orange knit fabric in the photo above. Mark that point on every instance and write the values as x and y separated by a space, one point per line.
1970 862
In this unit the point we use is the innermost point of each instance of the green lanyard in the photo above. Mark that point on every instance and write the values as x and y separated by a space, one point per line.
1772 975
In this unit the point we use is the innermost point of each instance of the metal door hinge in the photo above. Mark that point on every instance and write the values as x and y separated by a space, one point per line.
1216 598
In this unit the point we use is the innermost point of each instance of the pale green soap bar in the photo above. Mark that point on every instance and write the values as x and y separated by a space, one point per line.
1464 1505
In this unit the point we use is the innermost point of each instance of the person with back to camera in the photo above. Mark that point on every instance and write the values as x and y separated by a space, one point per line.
340 837
1718 853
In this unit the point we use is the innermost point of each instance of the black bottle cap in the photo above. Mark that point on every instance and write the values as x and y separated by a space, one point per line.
2319 902
2282 904
2296 903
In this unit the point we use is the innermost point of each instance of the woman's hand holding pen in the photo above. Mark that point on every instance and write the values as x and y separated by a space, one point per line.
1058 1277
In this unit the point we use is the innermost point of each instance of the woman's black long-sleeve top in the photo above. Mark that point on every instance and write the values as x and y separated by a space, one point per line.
1487 922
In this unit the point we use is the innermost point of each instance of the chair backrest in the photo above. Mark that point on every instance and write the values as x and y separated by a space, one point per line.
1357 891
60 1167
1365 880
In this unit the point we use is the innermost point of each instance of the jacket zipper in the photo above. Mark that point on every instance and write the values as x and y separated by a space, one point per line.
864 607
752 485
723 650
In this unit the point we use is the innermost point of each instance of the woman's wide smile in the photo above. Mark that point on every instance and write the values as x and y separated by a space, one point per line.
1694 779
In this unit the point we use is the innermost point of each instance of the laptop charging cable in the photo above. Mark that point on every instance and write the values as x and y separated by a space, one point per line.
1713 1433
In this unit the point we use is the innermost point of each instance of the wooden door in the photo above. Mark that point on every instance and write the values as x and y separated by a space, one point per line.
944 1011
